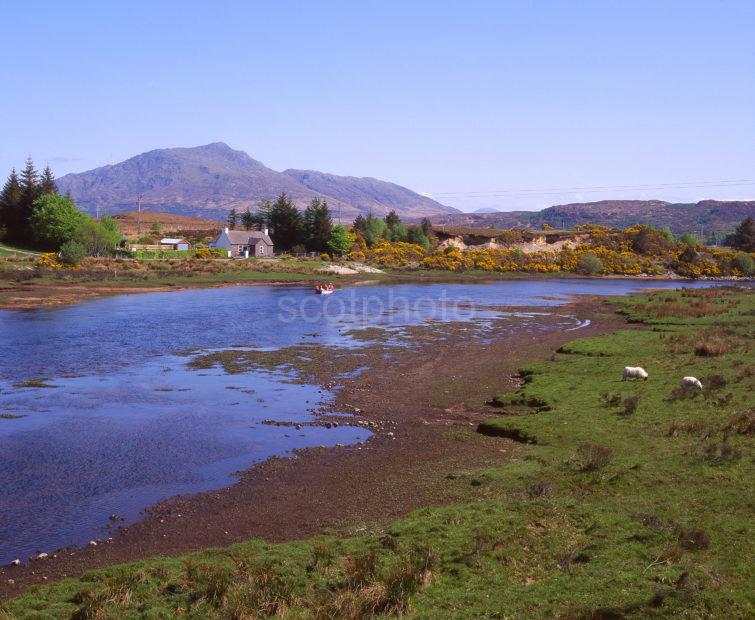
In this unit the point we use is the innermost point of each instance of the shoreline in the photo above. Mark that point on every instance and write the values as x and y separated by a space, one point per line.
35 296
424 408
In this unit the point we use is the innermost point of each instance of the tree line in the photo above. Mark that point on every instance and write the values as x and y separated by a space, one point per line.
294 231
313 230
34 214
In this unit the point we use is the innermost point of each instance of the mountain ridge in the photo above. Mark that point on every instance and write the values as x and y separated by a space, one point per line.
209 180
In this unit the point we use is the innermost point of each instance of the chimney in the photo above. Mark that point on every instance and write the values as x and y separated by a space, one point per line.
225 230
264 231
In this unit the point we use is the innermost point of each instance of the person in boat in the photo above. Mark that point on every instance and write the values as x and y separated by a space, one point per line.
318 288
330 286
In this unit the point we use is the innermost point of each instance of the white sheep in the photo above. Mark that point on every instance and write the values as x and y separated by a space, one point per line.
634 372
691 382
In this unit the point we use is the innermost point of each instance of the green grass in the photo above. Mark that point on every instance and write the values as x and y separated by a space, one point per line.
10 250
607 514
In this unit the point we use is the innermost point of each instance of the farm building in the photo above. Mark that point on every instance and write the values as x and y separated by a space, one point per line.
174 244
244 243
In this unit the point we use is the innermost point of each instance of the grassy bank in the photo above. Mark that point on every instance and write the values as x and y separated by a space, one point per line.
627 499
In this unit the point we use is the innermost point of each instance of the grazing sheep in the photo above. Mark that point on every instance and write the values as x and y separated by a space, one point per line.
634 372
691 382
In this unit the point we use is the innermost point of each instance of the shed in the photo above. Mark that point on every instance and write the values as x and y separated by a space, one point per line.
174 244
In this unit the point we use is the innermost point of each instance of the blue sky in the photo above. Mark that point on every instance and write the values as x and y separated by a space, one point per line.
480 104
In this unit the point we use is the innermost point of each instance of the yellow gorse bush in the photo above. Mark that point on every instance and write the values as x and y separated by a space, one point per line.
50 260
613 248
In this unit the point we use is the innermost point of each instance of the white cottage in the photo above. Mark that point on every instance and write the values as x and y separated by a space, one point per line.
244 243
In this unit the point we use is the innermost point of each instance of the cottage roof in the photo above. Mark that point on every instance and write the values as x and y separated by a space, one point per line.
248 237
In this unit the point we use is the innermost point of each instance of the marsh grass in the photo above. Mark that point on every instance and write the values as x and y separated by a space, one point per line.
41 382
606 516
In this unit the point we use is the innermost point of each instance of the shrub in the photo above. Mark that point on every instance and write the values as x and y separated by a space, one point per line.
689 239
714 382
721 453
744 263
207 253
693 539
49 260
591 457
711 347
539 489
742 424
72 253
590 265
687 428
630 405
684 392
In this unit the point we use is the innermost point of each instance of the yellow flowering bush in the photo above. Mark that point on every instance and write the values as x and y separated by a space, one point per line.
614 249
49 260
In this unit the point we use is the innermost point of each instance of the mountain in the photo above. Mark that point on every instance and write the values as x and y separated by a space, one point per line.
710 216
208 181
369 195
486 210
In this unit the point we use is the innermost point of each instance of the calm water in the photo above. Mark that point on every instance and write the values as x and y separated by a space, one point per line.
127 423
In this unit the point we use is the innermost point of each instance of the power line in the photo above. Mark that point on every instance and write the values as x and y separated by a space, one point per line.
600 188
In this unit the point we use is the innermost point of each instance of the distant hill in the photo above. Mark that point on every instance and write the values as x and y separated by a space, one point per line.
208 181
712 216
369 195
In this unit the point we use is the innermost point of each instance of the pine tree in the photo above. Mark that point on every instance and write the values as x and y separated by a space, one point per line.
743 237
10 207
47 182
286 224
29 193
261 217
317 225
360 224
233 218
427 226
247 219
392 220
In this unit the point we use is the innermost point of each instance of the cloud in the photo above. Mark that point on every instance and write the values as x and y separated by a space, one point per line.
59 159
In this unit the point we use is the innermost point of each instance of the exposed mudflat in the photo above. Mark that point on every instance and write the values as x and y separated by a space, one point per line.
421 401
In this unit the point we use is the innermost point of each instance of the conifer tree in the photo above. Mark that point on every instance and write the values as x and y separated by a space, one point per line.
10 206
233 218
360 224
392 220
29 193
247 219
286 223
743 237
317 225
47 182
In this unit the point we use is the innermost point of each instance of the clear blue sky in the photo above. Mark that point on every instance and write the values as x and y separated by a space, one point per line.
444 97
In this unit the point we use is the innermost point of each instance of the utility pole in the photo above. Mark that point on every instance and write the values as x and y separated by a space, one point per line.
139 215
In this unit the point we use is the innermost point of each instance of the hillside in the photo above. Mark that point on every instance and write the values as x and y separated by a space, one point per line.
130 222
712 216
368 194
208 181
